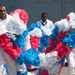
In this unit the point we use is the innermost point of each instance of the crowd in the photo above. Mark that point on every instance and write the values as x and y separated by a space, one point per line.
44 44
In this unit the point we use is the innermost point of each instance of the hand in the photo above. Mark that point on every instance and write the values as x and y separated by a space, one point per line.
70 31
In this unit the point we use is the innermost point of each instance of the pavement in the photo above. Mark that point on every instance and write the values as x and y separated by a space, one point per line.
64 71
67 71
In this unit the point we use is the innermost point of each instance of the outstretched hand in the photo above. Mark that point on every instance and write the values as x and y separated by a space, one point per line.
69 31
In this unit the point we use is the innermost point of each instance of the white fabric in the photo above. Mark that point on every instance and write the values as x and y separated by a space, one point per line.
48 61
72 19
27 40
47 28
12 26
36 32
2 28
16 15
71 61
1 61
21 68
63 25
12 70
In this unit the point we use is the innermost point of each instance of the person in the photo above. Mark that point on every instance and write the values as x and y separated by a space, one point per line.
46 26
63 42
71 55
9 25
43 29
45 23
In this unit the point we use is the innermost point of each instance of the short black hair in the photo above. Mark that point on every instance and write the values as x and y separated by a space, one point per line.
1 5
44 13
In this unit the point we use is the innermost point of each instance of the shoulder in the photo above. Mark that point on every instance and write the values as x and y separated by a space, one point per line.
49 21
38 22
8 16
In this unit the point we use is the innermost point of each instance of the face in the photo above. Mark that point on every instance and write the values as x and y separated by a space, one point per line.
44 17
2 12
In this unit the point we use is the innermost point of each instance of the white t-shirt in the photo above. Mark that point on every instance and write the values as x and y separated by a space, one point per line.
47 27
13 25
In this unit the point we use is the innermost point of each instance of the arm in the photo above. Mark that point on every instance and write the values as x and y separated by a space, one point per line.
69 31
15 27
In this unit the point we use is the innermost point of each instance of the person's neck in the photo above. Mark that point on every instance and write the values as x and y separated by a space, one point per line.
44 20
2 18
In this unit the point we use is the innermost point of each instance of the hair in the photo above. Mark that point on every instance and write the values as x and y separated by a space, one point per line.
44 13
1 5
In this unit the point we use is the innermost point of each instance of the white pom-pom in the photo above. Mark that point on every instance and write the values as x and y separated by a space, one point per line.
36 32
63 25
2 28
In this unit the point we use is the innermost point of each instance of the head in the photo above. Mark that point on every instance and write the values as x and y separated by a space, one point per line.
2 12
44 16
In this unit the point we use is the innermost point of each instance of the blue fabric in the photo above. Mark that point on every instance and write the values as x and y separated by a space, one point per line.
31 57
32 26
70 39
21 43
25 73
44 40
54 33
25 33
62 60
20 60
6 67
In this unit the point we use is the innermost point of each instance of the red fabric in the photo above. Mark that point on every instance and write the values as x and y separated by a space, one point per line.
22 13
62 50
51 45
54 43
44 72
60 36
34 41
30 66
6 44
68 17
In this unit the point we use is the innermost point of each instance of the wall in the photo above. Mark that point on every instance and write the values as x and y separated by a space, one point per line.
56 9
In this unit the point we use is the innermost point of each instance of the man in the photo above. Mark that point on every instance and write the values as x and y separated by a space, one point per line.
8 24
46 25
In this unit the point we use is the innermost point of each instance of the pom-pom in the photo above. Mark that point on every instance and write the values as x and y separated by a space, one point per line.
20 13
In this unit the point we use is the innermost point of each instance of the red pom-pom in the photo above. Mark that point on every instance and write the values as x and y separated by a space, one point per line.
44 72
63 50
34 41
22 14
9 48
68 18
54 43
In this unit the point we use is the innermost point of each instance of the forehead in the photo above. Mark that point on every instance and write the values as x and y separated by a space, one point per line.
2 8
